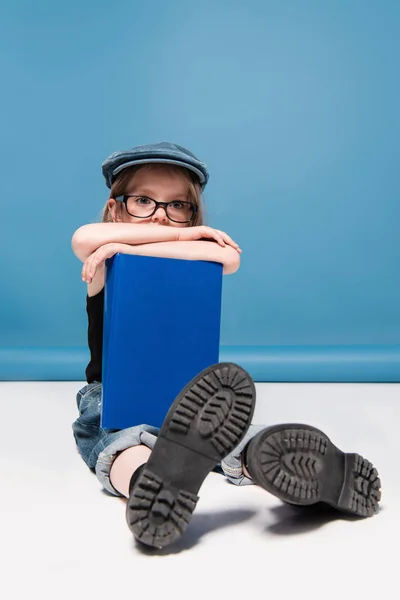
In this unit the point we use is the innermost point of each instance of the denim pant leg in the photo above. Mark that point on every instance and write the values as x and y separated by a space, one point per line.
232 465
99 447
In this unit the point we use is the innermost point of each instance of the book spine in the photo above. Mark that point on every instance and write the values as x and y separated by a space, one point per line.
111 278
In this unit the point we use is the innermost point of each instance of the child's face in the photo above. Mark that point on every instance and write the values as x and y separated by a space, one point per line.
159 184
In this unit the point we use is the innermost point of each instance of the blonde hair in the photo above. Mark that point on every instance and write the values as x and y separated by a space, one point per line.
120 184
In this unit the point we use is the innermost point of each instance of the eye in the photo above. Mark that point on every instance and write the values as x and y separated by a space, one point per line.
177 205
143 200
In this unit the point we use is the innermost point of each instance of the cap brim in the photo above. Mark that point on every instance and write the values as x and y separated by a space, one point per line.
161 161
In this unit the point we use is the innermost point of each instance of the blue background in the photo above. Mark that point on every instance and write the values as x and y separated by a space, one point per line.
294 107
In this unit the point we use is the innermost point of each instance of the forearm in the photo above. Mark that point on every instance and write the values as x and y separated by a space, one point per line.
90 237
192 250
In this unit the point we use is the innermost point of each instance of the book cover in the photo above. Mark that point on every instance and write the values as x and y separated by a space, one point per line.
162 321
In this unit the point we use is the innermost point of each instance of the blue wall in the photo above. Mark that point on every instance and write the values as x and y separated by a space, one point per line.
293 106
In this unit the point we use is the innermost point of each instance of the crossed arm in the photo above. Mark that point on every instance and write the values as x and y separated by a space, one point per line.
94 243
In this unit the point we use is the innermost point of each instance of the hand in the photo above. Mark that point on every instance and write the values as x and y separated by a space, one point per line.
202 231
97 260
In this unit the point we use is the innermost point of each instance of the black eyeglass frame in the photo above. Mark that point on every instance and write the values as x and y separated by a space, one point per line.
124 199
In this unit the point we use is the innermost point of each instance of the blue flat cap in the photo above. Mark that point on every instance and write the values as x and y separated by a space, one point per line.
162 152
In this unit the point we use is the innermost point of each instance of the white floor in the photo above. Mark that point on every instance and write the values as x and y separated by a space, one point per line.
62 537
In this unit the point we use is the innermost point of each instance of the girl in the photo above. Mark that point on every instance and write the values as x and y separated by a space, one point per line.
155 209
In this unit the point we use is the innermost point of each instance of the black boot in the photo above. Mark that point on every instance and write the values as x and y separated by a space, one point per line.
206 422
300 465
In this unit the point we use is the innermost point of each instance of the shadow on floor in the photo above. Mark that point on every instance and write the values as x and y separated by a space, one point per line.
200 525
300 519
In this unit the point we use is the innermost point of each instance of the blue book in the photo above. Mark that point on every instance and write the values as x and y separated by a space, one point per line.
162 321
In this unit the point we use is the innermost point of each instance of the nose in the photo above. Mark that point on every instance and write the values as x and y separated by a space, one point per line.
160 215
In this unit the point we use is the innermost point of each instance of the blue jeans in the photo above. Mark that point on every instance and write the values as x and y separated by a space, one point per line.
99 447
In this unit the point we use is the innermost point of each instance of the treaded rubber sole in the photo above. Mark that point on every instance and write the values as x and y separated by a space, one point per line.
300 465
208 419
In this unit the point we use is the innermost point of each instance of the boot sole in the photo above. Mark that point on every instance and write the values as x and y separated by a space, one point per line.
208 419
300 465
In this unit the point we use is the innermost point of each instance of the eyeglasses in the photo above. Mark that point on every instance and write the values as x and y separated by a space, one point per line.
142 207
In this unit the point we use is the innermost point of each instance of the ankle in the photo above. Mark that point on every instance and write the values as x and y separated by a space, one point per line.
135 477
244 462
246 473
125 464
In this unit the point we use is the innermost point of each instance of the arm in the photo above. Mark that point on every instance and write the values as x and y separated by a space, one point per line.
227 256
89 238
93 268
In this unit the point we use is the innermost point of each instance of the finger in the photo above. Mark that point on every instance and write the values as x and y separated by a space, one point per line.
209 232
219 239
217 235
93 267
84 270
87 279
98 260
87 269
229 240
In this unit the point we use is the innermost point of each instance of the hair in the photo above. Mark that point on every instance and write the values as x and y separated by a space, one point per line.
120 184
